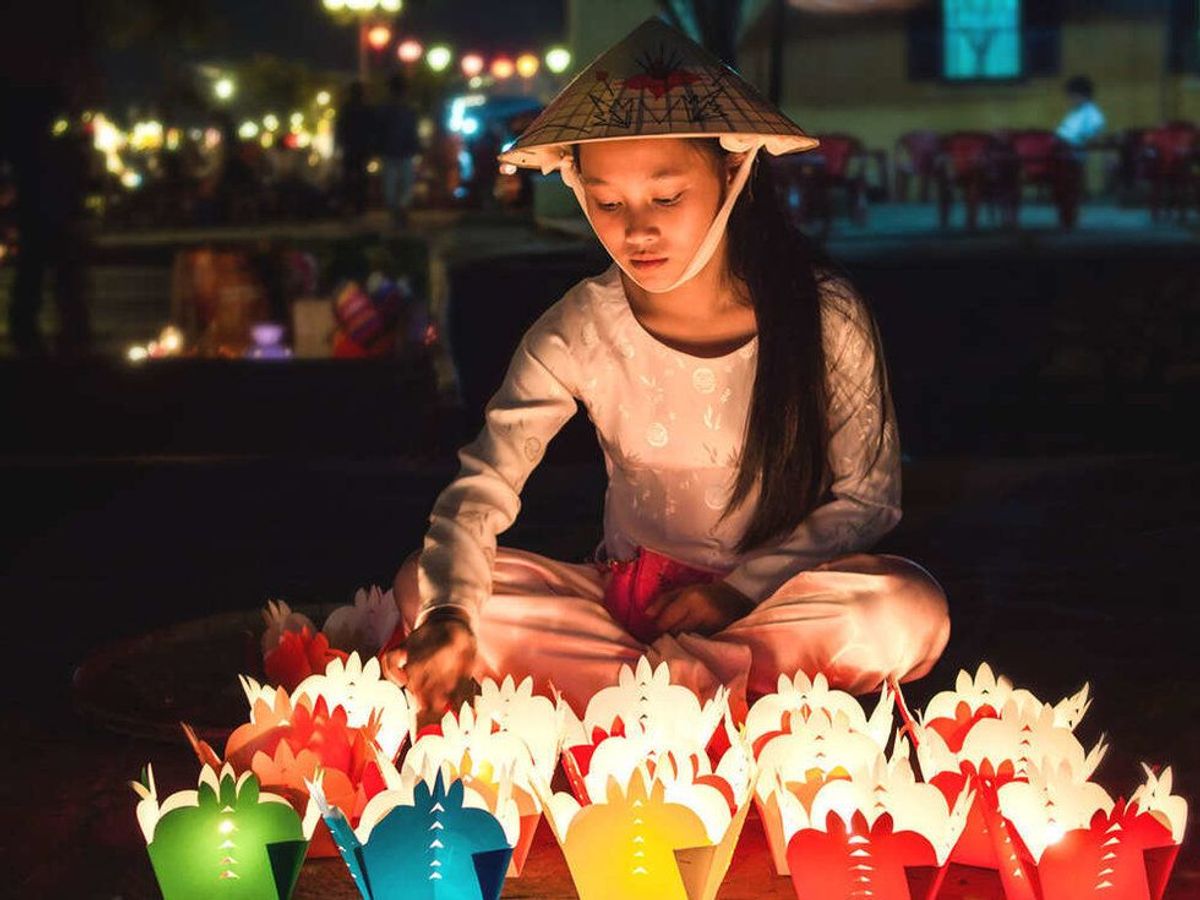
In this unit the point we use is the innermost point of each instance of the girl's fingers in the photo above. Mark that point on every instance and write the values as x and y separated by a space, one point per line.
392 665
674 616
659 603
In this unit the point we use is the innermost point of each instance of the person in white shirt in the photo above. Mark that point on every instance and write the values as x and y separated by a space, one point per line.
1084 121
739 394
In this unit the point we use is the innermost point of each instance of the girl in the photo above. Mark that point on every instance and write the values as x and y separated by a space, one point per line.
738 391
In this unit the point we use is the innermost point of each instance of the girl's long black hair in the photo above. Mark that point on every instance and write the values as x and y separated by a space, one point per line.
786 445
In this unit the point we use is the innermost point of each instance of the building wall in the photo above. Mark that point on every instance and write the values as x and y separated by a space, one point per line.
850 74
595 25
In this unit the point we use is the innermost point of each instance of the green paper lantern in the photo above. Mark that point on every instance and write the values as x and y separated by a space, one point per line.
224 840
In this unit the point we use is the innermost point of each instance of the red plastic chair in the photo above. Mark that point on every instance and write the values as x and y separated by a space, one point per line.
1170 155
916 156
1041 158
969 160
836 164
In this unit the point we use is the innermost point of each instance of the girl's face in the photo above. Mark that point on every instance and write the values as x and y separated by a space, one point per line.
651 201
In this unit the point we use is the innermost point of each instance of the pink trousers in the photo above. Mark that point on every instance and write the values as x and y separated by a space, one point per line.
859 619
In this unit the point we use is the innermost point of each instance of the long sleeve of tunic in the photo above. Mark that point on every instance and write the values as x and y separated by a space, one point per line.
671 426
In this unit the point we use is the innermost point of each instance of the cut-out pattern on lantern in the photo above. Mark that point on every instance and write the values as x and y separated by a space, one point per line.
984 735
425 838
651 714
805 735
226 839
876 833
294 648
1086 845
649 815
667 832
645 696
360 689
474 747
286 742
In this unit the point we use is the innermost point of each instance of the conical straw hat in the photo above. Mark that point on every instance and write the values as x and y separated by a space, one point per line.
656 82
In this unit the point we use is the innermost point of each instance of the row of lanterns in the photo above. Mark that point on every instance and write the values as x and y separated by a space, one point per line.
332 762
439 57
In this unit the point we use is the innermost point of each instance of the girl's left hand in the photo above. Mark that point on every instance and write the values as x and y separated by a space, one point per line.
699 608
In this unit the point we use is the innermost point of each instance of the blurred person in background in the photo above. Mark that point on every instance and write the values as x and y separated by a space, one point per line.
46 72
353 138
1084 121
398 144
484 150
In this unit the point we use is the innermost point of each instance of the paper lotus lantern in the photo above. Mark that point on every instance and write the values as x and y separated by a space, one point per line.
227 839
803 736
358 688
494 761
984 735
1086 845
538 720
877 833
417 840
286 742
650 716
669 831
954 713
293 648
645 697
799 698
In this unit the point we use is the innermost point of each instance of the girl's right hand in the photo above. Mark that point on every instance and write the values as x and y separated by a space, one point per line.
435 665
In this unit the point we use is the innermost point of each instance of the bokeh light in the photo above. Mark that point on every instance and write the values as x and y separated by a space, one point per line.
558 60
502 68
438 57
409 51
472 64
527 65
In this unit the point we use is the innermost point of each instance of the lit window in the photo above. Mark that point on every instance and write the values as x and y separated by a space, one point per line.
982 38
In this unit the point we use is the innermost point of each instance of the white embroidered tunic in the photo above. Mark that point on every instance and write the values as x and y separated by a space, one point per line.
671 426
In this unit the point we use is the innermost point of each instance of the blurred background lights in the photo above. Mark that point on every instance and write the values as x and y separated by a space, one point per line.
323 98
558 60
438 57
224 88
363 6
459 120
409 51
472 64
527 65
502 67
379 36
248 130
271 122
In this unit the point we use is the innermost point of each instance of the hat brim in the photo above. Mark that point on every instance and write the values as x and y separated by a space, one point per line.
548 157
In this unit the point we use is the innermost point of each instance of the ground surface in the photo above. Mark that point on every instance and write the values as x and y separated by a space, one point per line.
1059 571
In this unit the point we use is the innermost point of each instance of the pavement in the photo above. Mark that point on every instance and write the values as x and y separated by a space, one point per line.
1059 571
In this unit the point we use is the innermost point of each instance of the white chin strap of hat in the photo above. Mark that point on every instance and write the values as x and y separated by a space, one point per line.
704 252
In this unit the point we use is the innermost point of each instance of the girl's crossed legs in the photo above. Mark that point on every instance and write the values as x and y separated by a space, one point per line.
859 619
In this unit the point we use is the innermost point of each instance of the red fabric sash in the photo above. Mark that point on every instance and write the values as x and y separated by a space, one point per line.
634 584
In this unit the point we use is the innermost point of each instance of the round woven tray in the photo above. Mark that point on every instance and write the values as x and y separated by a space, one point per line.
147 685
